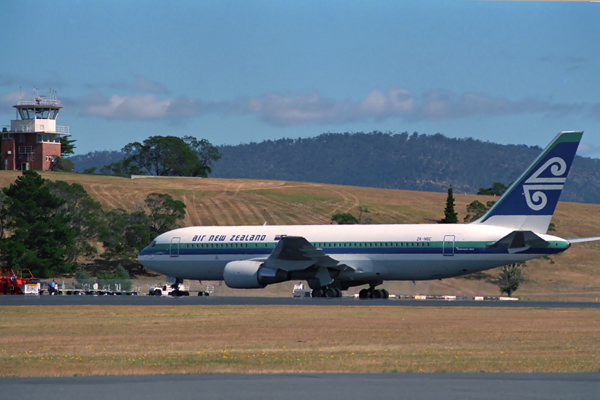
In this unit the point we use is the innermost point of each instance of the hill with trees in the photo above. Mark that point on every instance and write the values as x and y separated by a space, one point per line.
132 209
386 160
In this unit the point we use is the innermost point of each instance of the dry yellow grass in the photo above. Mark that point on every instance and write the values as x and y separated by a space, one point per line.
123 340
246 202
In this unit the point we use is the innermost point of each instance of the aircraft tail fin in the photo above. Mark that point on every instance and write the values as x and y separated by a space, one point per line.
528 204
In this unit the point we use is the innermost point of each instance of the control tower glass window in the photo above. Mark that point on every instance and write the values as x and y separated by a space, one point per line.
38 113
24 113
42 113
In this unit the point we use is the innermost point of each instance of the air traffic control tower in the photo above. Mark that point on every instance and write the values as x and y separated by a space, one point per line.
32 141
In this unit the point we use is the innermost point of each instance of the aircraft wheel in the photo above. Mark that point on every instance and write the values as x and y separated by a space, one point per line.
363 294
158 292
377 294
329 293
338 293
186 293
386 294
317 293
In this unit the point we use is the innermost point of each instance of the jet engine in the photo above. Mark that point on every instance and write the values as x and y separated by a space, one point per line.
251 275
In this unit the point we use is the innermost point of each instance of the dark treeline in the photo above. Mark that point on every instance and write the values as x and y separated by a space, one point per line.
387 160
49 226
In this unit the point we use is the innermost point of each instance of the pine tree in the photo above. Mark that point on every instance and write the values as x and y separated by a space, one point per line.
40 237
67 146
450 217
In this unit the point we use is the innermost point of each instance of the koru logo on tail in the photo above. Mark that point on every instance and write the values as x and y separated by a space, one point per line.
535 186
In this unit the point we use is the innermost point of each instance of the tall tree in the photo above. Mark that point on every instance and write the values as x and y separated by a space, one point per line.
38 234
61 164
476 209
206 152
126 234
86 216
166 156
450 216
497 189
163 212
67 146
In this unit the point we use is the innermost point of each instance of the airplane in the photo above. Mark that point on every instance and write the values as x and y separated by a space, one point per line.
333 258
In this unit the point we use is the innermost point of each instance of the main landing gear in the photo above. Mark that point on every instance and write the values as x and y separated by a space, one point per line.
327 292
373 293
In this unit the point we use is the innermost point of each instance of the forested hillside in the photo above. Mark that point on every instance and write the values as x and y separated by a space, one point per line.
385 160
97 159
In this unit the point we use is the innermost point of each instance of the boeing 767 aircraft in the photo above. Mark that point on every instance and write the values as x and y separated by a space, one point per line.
333 258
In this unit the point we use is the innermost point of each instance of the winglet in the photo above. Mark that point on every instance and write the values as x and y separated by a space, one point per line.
528 204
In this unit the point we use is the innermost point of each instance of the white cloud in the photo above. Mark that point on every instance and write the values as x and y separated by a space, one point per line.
289 109
588 149
397 101
293 110
138 107
439 105
300 109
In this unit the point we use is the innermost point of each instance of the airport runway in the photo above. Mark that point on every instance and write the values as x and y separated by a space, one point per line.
308 386
46 300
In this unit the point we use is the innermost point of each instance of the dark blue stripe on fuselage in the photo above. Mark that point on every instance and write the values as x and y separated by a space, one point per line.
352 250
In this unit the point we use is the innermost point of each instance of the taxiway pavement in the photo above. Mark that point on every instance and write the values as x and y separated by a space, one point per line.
322 386
64 300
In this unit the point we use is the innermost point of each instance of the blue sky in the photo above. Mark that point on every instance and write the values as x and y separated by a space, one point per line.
241 71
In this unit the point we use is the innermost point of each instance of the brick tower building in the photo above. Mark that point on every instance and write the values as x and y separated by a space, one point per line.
33 139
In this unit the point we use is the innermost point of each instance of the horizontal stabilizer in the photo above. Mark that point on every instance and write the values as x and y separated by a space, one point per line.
518 240
583 240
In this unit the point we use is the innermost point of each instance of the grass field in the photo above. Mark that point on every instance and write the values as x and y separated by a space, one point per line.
245 202
124 340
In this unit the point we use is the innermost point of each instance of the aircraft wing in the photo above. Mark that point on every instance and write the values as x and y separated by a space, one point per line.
296 253
584 239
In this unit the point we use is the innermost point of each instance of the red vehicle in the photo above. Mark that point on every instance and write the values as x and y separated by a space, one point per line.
20 282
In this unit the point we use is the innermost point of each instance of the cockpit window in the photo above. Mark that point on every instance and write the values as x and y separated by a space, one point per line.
153 243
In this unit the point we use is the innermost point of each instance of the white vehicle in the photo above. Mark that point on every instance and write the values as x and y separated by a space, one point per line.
301 291
169 290
332 258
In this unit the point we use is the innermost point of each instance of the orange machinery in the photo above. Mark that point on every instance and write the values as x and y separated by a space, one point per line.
15 283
